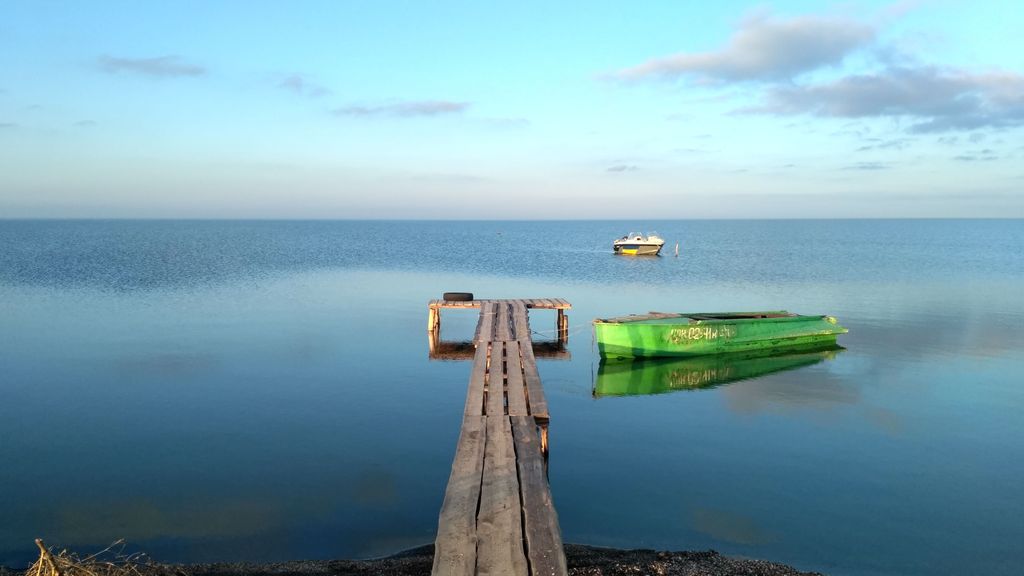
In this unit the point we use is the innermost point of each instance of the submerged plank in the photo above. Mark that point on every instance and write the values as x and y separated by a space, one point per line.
540 521
456 543
499 520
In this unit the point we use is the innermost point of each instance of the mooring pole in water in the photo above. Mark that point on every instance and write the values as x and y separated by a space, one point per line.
677 249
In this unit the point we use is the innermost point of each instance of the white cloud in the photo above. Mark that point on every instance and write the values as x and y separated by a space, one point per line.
162 66
302 86
934 99
764 48
405 109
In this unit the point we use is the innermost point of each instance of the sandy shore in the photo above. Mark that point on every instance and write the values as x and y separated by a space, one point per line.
582 560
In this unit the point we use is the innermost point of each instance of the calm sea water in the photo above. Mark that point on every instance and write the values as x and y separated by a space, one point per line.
262 391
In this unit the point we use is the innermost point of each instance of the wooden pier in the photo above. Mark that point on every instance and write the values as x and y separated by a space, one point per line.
497 516
557 304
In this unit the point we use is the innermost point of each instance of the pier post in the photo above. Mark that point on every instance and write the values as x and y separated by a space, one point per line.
432 341
562 327
433 319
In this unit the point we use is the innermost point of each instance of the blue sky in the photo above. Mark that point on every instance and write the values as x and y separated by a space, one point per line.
524 110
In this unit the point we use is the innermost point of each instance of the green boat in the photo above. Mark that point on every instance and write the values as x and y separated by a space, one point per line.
640 376
660 334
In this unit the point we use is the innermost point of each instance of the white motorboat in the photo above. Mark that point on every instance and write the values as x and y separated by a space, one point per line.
634 244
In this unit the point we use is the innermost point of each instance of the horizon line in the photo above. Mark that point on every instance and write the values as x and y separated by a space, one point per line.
263 219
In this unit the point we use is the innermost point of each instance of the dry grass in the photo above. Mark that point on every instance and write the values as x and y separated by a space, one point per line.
111 561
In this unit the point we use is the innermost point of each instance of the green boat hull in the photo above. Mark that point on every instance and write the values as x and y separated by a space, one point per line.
684 335
641 376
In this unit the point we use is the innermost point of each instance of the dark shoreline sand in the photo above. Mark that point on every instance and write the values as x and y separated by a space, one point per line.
582 561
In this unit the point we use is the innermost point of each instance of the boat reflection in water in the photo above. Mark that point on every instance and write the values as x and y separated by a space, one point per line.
660 375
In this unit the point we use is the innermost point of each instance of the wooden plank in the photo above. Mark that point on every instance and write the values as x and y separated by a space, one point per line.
495 403
534 391
499 520
456 543
493 308
540 521
513 318
521 321
475 393
485 326
515 385
503 331
458 303
479 324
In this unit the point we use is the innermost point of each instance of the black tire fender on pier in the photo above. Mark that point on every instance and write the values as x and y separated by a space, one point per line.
458 296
